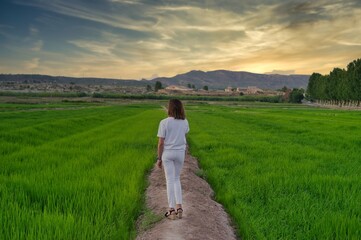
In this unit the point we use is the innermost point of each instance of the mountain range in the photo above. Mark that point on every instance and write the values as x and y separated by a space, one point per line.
221 79
218 79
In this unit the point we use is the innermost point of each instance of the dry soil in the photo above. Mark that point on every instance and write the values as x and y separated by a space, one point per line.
203 218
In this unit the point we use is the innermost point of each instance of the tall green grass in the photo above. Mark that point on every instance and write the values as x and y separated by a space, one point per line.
282 173
45 106
75 174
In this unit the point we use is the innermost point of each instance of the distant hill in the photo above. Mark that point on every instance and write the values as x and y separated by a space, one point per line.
218 79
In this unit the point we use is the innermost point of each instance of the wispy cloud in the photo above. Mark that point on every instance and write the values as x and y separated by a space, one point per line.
139 38
126 2
33 31
32 64
95 47
101 13
349 43
37 46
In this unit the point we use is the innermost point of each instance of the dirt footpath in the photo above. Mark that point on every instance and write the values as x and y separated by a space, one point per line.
203 218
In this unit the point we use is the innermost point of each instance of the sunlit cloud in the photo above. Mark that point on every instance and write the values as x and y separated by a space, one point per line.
349 43
136 39
95 47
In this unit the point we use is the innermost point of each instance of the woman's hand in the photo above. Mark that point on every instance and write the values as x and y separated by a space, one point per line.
160 152
159 163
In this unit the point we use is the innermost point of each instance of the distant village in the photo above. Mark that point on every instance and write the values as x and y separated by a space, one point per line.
166 90
229 91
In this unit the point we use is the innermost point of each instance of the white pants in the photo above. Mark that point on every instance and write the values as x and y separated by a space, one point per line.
173 163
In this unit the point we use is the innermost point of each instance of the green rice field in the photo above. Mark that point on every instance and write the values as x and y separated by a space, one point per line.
282 172
74 173
78 170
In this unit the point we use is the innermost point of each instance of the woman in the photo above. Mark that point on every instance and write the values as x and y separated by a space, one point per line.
171 154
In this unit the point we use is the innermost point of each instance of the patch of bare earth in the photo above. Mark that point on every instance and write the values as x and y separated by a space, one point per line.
203 218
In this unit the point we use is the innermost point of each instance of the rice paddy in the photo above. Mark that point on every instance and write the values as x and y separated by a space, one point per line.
78 170
283 172
75 174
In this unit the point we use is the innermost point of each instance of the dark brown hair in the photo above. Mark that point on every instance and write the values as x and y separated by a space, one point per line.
175 109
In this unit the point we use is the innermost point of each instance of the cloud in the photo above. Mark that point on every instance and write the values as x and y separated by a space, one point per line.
349 43
33 31
282 72
301 12
139 38
125 2
101 12
37 46
32 64
93 46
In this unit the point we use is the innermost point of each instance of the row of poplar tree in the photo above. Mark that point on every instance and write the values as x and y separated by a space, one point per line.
341 86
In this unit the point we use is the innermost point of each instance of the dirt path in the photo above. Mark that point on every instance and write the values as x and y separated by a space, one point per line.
203 218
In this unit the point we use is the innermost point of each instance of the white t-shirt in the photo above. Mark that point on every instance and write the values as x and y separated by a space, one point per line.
174 133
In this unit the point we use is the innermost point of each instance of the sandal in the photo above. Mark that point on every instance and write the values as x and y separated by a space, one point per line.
170 214
179 212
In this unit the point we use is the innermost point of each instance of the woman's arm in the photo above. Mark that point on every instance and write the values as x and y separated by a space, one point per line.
160 151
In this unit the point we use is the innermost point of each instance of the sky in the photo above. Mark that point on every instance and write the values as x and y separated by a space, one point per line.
135 39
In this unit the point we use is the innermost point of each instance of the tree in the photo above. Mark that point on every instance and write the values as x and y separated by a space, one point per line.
354 76
194 87
149 88
205 88
158 85
312 85
296 95
339 86
189 85
284 89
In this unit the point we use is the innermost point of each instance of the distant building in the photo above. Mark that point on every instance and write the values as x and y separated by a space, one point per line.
178 88
249 90
228 89
254 90
174 89
241 90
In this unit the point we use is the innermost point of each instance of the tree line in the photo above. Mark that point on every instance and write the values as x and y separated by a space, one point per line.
340 87
158 85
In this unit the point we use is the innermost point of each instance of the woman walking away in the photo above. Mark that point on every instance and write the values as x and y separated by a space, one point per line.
171 153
